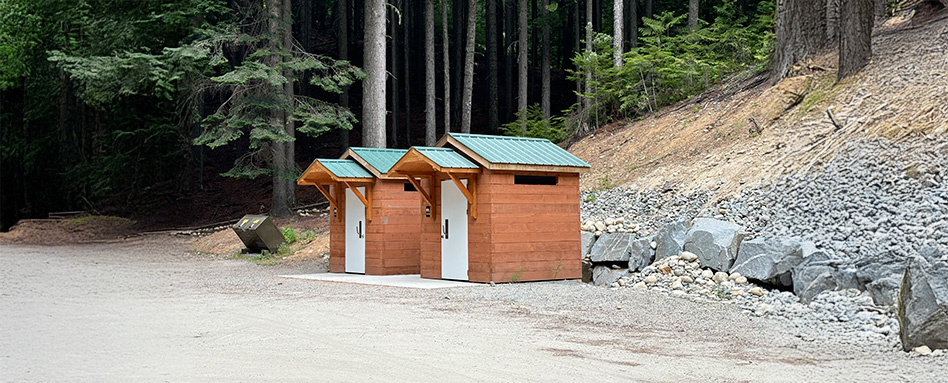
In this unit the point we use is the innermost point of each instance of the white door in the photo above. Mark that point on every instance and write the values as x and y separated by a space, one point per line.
355 232
453 231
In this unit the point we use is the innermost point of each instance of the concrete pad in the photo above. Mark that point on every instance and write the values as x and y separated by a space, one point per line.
413 281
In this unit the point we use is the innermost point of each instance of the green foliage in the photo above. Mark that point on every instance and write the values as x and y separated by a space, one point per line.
253 88
537 127
289 234
518 276
671 62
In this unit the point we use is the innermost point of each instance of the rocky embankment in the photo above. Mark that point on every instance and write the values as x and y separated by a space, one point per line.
826 248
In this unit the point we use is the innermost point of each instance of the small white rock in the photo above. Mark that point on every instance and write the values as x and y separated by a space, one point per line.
757 291
734 276
598 233
719 277
677 284
688 256
640 286
707 274
687 279
651 279
653 245
610 221
741 280
737 292
922 350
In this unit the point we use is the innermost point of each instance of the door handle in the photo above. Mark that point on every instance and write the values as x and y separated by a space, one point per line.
445 230
359 230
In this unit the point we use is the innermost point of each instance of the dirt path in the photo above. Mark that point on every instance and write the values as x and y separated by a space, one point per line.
145 310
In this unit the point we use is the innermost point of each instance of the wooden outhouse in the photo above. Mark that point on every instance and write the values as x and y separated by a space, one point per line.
497 208
374 227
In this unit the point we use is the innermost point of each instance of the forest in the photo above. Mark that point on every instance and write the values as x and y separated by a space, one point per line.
106 106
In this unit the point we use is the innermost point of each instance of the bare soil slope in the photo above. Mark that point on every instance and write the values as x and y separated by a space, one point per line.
751 131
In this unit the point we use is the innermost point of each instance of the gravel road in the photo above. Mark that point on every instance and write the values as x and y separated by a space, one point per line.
147 310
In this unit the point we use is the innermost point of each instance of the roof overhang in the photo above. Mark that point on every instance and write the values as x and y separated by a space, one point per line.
457 145
318 174
415 163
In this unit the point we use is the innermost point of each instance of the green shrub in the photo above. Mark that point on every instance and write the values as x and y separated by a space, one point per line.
536 126
289 234
670 63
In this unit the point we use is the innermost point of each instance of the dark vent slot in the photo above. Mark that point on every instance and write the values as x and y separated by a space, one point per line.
520 179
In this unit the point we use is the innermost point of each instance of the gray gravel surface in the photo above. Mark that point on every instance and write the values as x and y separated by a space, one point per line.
876 197
146 310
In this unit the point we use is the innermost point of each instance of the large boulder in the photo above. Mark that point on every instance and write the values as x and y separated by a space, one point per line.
640 254
605 275
923 305
819 272
587 239
769 260
880 276
714 242
611 248
670 240
884 291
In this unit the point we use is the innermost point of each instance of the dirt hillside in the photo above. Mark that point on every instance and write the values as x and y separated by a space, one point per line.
748 132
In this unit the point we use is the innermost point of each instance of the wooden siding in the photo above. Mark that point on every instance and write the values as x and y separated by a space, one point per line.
392 238
522 233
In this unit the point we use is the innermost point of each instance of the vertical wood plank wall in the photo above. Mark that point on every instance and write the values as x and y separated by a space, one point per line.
522 233
392 238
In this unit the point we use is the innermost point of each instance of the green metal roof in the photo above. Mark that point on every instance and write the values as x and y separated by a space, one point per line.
518 150
345 168
380 159
446 157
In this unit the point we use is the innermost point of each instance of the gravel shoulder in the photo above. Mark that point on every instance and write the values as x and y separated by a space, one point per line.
147 310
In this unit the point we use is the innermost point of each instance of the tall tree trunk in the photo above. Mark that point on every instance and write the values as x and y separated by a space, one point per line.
617 35
633 17
693 14
522 66
491 35
832 21
855 37
589 47
534 42
306 23
430 107
373 86
406 69
280 206
466 103
393 80
648 8
597 15
545 64
290 178
459 21
445 45
510 22
342 14
801 30
576 39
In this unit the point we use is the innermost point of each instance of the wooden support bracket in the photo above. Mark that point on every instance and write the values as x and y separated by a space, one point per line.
365 201
468 191
417 185
332 201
